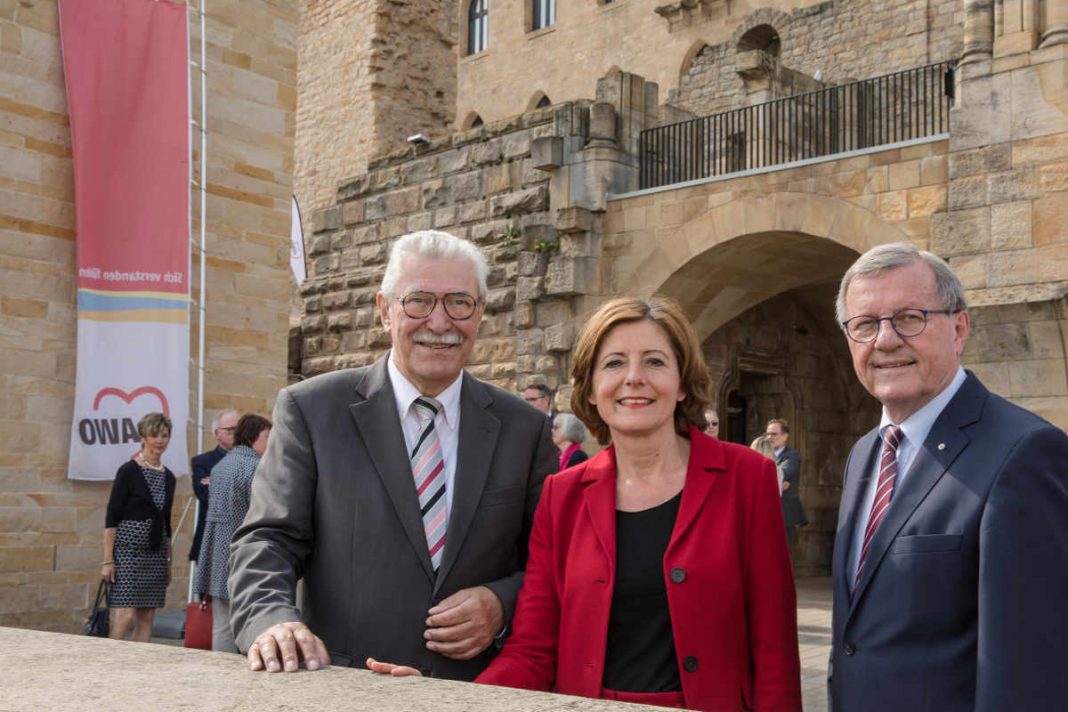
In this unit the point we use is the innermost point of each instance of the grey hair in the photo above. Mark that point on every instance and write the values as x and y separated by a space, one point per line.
219 416
571 427
884 258
435 245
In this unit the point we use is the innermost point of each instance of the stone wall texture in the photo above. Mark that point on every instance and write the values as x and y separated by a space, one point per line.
51 527
372 73
843 41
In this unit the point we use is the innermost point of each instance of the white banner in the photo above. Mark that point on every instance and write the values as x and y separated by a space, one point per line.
125 370
296 246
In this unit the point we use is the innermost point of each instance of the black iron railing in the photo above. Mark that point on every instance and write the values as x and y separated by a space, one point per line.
907 105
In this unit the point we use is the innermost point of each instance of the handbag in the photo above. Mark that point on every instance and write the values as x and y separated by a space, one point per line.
98 624
198 624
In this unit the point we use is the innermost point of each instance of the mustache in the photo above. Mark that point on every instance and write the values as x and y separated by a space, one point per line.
449 338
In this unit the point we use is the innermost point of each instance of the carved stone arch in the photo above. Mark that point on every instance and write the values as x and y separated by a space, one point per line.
777 20
696 263
471 120
538 100
688 59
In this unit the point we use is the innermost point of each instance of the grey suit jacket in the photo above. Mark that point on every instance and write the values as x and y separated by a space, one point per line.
961 601
334 502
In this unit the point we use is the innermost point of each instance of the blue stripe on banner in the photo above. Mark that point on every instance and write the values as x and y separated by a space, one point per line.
87 301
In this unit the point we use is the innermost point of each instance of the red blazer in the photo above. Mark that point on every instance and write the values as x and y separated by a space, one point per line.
729 585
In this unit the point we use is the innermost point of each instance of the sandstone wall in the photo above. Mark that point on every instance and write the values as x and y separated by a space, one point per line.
372 73
845 41
51 527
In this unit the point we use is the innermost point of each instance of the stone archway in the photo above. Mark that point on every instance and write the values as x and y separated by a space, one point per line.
757 276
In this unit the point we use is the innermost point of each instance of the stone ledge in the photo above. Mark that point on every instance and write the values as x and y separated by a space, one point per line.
70 672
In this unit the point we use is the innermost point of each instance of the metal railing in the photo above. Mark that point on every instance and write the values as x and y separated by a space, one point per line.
906 105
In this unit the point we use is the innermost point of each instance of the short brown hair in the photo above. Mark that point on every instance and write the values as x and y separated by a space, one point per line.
153 424
248 429
665 313
781 423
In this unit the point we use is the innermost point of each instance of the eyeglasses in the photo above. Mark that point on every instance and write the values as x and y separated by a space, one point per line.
458 305
907 323
230 429
535 399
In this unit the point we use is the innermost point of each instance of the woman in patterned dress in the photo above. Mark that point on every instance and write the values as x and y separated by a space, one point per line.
228 500
137 533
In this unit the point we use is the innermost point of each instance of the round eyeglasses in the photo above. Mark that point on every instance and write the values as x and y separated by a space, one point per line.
458 305
907 323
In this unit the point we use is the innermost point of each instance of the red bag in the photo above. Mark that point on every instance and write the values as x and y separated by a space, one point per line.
198 624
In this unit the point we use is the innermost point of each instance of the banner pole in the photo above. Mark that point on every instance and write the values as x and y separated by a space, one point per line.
201 247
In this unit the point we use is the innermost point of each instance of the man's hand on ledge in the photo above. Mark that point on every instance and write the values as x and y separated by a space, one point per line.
284 646
391 669
463 625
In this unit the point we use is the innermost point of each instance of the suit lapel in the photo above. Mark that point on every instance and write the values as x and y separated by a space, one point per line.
479 430
599 496
706 462
857 478
378 424
943 445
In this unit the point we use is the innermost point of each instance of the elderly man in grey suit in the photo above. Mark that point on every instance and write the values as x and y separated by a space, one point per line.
401 492
950 566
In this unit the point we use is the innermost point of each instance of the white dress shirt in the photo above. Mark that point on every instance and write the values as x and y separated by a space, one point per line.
446 423
915 430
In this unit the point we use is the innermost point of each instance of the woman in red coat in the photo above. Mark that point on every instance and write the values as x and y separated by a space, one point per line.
657 571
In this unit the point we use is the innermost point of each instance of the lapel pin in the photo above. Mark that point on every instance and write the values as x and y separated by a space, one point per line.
941 446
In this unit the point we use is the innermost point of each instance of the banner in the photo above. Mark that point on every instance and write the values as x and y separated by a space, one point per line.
127 72
296 246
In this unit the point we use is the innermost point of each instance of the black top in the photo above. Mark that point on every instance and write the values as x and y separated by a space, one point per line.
641 648
131 499
576 457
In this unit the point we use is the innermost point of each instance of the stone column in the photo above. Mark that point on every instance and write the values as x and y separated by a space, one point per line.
978 31
1015 27
1055 30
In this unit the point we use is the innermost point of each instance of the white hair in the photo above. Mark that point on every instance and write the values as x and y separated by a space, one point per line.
901 254
220 415
435 245
571 427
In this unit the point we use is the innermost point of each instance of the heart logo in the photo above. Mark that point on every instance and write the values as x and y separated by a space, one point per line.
128 397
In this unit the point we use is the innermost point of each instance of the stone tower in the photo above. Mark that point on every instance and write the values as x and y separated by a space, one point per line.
371 73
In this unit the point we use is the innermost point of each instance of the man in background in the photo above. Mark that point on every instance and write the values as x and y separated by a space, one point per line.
539 396
222 426
793 512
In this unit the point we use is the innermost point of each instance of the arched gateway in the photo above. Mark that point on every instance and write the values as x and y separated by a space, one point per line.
758 275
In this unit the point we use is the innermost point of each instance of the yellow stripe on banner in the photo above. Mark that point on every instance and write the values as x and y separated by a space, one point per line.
163 316
150 295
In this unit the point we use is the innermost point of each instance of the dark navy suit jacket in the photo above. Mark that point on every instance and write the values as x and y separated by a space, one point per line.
961 605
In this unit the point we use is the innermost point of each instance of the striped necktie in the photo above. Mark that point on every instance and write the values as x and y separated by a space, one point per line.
884 492
428 468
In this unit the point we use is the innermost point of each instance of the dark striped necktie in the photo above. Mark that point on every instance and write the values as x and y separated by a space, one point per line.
884 492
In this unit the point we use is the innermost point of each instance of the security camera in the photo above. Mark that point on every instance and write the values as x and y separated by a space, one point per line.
418 139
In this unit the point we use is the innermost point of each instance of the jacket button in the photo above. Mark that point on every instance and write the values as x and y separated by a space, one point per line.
678 575
689 663
849 649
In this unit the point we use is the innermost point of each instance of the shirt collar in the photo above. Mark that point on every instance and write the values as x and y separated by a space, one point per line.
405 393
779 451
918 425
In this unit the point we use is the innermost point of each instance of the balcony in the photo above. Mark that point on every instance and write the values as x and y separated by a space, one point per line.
905 106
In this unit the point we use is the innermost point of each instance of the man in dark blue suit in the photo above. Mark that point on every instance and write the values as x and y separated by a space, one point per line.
222 425
950 565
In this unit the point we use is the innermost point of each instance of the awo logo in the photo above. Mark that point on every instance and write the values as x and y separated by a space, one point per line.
114 431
